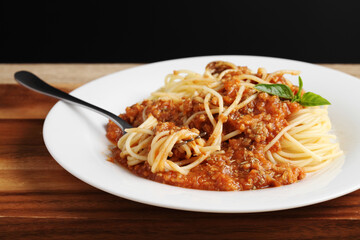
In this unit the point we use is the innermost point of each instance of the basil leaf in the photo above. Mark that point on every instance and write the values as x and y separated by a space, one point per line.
312 99
308 99
280 90
298 94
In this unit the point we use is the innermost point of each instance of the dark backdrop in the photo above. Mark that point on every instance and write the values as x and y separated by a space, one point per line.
148 31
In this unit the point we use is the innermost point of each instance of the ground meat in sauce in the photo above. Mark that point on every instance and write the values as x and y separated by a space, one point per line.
242 165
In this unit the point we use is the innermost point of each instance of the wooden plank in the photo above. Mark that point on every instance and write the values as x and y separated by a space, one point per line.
26 157
25 164
91 203
60 74
352 69
39 180
21 132
18 102
83 73
173 227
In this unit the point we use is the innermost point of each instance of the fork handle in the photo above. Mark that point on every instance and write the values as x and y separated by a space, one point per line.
33 82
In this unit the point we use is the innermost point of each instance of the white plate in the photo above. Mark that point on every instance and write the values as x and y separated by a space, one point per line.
75 137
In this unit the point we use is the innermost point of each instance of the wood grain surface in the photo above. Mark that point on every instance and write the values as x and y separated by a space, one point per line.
40 200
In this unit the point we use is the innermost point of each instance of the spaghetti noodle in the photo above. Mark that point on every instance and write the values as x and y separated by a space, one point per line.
282 136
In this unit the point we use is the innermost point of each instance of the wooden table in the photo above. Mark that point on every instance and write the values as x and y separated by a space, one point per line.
40 200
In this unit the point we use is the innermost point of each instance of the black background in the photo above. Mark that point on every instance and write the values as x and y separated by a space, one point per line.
136 31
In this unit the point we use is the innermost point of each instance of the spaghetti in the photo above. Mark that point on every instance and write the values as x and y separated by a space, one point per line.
282 136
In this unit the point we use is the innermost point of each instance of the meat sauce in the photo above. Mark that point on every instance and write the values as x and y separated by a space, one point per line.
242 164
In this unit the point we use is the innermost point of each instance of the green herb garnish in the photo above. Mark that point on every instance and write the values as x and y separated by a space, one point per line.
298 94
307 99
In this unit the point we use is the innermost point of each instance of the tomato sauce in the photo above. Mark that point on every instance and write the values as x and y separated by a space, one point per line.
242 165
